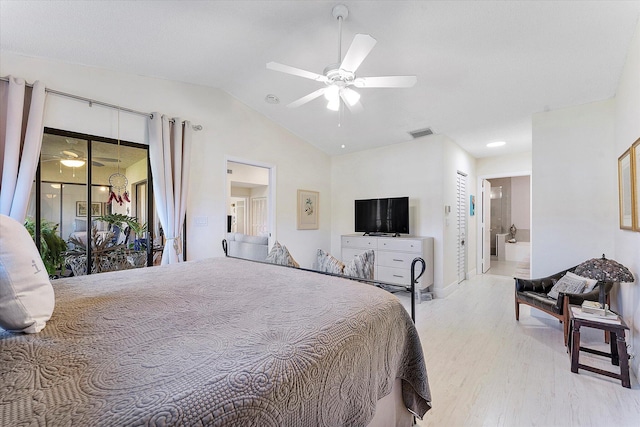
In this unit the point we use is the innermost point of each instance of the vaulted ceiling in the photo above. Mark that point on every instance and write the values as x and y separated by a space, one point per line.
483 67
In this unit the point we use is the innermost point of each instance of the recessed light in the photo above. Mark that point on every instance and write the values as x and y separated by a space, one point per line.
271 99
342 146
496 144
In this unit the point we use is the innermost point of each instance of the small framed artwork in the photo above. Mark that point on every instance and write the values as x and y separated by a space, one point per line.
635 173
308 204
472 205
625 193
81 209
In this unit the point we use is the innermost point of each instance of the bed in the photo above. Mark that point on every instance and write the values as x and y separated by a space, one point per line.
220 342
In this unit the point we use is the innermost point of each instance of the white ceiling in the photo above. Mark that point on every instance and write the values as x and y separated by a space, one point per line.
483 67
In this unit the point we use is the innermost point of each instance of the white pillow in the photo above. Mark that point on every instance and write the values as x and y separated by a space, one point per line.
589 283
361 266
279 254
567 285
26 295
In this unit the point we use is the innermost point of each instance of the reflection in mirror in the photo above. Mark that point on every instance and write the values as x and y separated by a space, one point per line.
66 159
247 210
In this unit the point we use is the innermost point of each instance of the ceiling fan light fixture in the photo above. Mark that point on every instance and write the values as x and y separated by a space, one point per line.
334 104
72 163
332 93
351 96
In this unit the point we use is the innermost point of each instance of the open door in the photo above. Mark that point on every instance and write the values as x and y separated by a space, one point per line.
486 225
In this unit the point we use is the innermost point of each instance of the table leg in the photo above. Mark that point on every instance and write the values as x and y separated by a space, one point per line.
575 347
613 342
624 359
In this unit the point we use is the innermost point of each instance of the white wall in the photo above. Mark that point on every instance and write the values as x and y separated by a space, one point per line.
508 165
229 129
627 243
520 202
574 188
415 169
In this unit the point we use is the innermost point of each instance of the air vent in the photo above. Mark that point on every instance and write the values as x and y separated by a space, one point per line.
421 132
229 171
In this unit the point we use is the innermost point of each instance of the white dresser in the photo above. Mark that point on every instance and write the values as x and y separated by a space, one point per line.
393 256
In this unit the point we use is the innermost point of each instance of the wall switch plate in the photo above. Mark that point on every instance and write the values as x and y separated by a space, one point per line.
201 221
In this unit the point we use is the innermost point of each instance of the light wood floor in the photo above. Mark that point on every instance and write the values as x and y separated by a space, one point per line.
486 369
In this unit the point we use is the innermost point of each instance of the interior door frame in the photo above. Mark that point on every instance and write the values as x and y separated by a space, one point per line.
480 207
271 203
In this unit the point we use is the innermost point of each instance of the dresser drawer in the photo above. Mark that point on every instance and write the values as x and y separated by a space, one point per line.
398 244
359 242
400 276
395 259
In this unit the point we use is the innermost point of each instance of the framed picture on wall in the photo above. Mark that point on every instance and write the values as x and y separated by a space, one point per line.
81 209
308 204
625 191
635 173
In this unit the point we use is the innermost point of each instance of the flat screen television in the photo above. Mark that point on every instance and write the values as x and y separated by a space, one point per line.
382 216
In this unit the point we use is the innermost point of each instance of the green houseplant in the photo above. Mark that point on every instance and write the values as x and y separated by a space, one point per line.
52 246
107 255
130 221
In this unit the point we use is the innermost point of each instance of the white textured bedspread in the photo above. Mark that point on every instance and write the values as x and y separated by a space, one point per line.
213 342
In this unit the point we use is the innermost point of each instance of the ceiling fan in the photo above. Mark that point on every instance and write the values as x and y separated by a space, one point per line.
340 76
74 158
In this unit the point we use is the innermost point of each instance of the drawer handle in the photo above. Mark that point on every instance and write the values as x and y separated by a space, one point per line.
397 275
398 260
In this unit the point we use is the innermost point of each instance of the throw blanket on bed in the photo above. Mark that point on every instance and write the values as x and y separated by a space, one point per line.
214 342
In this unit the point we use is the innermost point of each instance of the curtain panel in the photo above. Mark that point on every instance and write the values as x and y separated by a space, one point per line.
170 154
21 129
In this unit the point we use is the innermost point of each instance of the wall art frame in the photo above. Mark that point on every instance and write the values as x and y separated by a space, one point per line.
81 208
635 183
308 210
625 191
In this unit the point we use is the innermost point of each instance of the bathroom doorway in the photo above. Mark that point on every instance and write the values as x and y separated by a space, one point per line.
510 226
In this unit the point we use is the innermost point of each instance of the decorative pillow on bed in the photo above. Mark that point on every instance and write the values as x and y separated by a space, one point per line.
590 284
279 254
567 285
361 265
26 294
327 263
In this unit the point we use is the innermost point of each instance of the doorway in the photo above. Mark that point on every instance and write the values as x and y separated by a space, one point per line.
75 188
506 226
250 192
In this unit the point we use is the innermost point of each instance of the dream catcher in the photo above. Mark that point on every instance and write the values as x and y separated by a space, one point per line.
117 180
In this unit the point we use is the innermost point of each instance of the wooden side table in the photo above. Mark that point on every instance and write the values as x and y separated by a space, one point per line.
618 355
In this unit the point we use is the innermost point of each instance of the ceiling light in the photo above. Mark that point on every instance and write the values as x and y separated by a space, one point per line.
351 96
496 144
55 185
271 99
331 93
72 163
342 146
334 104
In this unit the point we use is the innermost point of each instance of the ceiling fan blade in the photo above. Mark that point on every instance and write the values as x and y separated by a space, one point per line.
107 159
98 164
307 98
295 71
354 107
358 51
387 81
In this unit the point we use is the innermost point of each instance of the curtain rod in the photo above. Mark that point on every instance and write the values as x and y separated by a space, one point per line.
103 104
